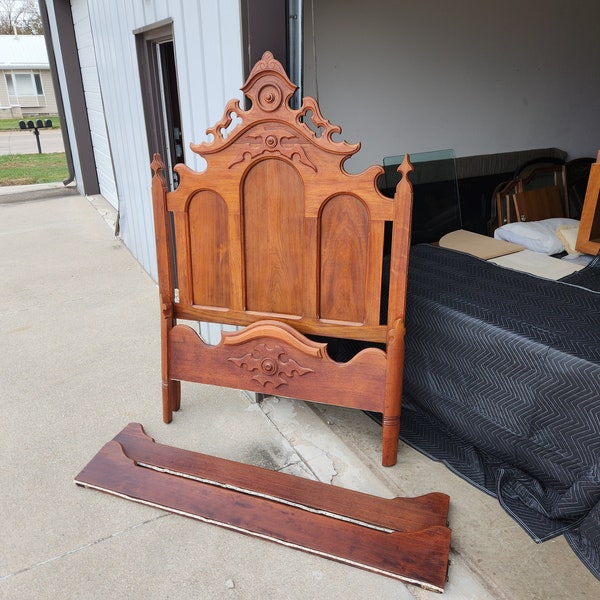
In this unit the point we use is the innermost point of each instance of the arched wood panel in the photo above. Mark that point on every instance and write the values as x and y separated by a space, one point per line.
274 248
344 243
209 250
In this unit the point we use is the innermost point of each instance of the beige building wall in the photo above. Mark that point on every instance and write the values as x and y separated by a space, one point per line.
51 107
10 107
3 91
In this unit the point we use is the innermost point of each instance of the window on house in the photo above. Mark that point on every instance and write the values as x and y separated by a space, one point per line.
24 84
38 84
10 85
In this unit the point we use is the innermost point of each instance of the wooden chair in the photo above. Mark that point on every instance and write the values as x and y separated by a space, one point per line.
538 204
542 193
504 205
536 193
276 237
539 176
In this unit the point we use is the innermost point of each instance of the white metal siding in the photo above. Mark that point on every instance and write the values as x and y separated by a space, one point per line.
207 37
93 100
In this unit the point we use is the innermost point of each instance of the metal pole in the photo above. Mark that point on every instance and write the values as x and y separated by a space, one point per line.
37 139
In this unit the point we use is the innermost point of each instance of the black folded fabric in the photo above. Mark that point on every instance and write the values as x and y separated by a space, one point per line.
502 384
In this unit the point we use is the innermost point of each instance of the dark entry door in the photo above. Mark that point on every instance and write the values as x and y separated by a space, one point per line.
160 93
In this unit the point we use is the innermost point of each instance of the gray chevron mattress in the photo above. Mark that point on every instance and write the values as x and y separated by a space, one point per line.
502 383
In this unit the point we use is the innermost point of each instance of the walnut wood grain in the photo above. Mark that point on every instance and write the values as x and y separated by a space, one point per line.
268 362
419 557
399 514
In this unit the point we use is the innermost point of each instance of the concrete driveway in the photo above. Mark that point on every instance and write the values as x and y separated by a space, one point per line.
80 358
24 142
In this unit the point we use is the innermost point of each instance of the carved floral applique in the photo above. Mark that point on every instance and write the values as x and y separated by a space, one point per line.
270 366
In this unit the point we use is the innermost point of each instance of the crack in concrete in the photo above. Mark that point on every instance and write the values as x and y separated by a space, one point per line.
266 409
80 548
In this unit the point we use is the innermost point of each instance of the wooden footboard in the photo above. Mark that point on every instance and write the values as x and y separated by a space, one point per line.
270 357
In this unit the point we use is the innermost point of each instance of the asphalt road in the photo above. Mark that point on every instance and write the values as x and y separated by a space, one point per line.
24 142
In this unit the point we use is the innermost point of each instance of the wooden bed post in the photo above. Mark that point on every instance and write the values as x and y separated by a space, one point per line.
396 315
171 389
393 395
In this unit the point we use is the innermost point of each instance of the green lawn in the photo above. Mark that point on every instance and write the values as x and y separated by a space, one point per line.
24 169
11 124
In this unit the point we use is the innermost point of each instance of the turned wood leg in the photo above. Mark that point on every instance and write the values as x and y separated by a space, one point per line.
393 394
390 432
171 392
175 394
166 402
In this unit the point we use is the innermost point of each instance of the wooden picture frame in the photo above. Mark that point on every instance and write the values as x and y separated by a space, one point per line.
588 238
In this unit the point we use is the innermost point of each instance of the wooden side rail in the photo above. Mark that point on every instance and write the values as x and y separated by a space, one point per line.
405 539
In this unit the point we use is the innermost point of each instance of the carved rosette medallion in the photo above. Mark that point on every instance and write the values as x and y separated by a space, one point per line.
269 97
270 365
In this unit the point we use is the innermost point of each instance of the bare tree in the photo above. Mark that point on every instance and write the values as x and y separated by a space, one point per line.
20 17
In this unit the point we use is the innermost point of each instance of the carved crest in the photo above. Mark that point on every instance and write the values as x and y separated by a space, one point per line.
269 91
281 143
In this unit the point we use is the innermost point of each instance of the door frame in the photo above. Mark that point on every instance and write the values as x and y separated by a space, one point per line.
158 109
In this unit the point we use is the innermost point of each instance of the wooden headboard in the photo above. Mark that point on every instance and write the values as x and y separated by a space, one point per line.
274 230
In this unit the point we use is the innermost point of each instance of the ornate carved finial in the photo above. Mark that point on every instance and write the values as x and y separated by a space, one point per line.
404 169
157 164
268 86
267 63
158 168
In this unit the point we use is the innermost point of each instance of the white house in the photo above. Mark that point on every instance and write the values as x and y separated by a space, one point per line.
25 78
